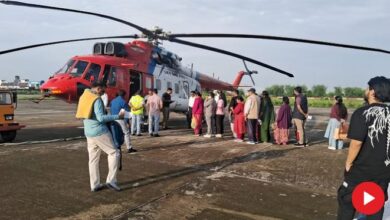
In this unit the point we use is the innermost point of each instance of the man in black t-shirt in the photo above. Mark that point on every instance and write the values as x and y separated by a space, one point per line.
166 99
299 116
369 152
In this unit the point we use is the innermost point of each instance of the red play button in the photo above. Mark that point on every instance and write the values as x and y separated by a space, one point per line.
368 198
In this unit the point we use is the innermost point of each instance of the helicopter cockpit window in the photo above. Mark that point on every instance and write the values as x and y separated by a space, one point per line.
93 73
111 81
66 67
5 98
79 68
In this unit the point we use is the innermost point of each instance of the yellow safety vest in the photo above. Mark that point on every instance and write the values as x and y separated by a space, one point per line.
137 105
86 105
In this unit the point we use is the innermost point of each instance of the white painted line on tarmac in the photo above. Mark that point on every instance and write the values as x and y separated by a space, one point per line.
43 141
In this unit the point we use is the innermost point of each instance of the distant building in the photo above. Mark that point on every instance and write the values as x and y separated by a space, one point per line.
23 85
34 85
17 80
19 83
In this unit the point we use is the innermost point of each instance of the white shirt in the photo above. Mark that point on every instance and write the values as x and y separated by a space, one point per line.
191 102
104 97
247 106
216 98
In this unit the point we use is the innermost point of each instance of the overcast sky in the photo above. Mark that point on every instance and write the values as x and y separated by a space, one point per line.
358 22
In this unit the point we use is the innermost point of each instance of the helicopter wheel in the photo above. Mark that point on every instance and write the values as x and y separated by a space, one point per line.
8 136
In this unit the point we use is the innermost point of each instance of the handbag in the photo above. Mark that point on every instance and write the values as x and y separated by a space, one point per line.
341 132
193 122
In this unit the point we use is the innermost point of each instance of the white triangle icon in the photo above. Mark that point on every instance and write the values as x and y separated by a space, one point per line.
367 198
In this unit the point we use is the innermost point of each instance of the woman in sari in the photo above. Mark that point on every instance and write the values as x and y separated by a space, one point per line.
197 114
338 115
267 117
283 122
239 119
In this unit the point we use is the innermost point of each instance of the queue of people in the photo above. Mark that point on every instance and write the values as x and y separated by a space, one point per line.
253 117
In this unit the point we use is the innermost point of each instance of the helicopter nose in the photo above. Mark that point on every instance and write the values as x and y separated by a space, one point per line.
51 88
63 89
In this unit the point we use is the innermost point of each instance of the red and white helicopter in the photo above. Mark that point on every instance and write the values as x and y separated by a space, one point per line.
142 64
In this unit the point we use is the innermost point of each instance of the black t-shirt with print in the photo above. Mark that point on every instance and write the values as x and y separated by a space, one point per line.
370 125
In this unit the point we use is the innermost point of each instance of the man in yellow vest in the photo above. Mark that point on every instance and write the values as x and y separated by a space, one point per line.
99 138
137 110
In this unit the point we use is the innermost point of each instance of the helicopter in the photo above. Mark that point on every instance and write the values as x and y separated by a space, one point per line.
143 64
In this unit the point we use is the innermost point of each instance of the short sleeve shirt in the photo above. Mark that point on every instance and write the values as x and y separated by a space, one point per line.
154 103
370 125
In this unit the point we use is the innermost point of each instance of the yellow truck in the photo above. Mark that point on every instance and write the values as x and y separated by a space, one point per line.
8 125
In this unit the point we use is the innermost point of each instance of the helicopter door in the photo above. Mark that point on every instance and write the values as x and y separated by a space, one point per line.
110 79
135 82
186 88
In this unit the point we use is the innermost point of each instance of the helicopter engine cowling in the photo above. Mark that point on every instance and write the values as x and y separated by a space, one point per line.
98 48
115 49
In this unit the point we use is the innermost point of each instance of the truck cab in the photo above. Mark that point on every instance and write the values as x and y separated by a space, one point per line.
8 125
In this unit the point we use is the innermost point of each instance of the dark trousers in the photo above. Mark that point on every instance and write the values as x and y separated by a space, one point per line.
166 112
346 211
252 130
189 117
219 124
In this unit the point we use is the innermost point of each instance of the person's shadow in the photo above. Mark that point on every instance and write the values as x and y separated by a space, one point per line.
207 167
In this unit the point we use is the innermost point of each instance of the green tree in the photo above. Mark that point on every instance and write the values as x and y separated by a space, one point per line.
330 94
241 92
289 90
338 91
276 90
319 90
304 88
309 93
354 92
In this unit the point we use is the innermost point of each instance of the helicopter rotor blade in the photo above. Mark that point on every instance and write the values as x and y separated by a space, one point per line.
65 41
278 38
245 66
192 44
253 81
17 3
250 72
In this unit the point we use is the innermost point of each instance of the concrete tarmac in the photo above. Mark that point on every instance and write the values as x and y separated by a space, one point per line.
176 176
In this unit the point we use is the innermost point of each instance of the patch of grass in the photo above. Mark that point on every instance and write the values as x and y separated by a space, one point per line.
351 103
32 97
